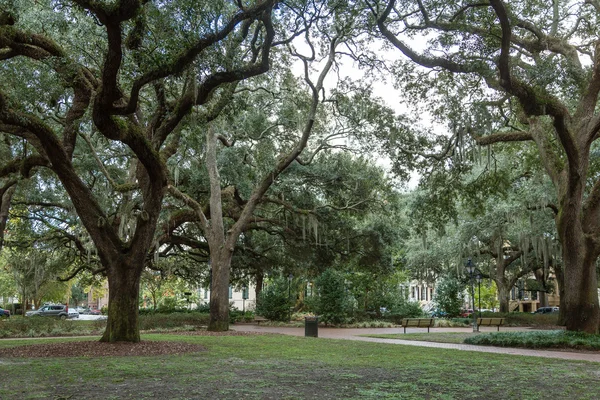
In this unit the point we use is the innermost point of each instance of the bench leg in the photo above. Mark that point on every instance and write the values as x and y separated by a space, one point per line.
427 329
498 328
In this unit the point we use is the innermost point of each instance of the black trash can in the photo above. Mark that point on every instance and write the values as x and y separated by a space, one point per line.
311 326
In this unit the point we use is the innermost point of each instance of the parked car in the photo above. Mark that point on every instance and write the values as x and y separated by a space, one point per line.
91 311
51 310
546 310
438 314
4 313
73 313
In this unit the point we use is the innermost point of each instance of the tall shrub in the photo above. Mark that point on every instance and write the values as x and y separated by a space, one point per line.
449 296
333 302
273 302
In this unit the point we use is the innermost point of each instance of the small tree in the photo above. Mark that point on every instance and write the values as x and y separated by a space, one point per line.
333 302
273 302
449 296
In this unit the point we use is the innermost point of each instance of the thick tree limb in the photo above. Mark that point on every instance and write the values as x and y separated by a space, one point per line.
189 55
513 136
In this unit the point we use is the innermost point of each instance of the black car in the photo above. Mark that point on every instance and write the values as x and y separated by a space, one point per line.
4 313
546 310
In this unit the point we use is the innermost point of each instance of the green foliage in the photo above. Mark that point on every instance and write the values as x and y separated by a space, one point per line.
526 319
488 298
538 340
156 321
404 309
42 327
333 302
449 296
273 302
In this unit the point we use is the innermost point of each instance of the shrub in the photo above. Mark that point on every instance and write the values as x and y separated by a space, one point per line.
172 320
273 302
538 339
41 326
333 303
404 309
449 296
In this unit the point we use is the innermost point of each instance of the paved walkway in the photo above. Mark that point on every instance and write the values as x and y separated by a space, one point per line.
353 334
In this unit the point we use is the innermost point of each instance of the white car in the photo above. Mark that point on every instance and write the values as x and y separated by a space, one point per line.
73 313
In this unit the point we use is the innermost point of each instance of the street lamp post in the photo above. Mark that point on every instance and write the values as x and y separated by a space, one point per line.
290 277
479 279
470 267
244 297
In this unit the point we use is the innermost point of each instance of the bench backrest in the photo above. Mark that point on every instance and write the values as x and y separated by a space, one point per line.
490 321
418 322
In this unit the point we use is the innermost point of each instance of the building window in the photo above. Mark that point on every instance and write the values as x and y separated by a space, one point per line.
230 292
205 293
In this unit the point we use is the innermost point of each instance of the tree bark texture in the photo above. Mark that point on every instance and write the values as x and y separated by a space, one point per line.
503 297
219 291
5 200
560 281
581 311
260 277
580 252
543 296
123 304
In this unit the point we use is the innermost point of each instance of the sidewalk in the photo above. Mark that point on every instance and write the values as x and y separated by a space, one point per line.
353 334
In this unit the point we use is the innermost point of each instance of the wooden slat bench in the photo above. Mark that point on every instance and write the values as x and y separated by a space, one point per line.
490 322
258 319
417 323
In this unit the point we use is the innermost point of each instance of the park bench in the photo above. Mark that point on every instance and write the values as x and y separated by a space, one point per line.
417 323
258 319
490 322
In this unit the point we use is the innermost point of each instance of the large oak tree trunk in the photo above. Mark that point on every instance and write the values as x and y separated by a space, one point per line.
260 278
219 291
503 297
123 304
5 200
560 280
541 280
581 311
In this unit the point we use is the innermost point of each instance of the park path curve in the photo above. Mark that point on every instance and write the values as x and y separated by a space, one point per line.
354 334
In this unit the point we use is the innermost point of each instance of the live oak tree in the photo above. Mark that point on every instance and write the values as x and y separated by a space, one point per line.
125 74
495 210
222 235
531 72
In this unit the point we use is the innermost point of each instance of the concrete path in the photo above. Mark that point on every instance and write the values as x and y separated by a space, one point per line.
353 334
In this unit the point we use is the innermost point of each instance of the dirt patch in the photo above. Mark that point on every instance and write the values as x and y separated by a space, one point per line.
226 333
99 349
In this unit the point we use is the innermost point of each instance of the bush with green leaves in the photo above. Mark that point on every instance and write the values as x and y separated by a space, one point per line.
449 296
538 339
273 302
172 320
333 303
404 309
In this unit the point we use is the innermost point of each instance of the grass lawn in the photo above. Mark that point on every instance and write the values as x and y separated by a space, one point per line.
285 367
438 337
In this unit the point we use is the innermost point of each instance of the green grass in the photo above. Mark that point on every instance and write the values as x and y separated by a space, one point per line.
18 326
543 339
284 367
438 337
